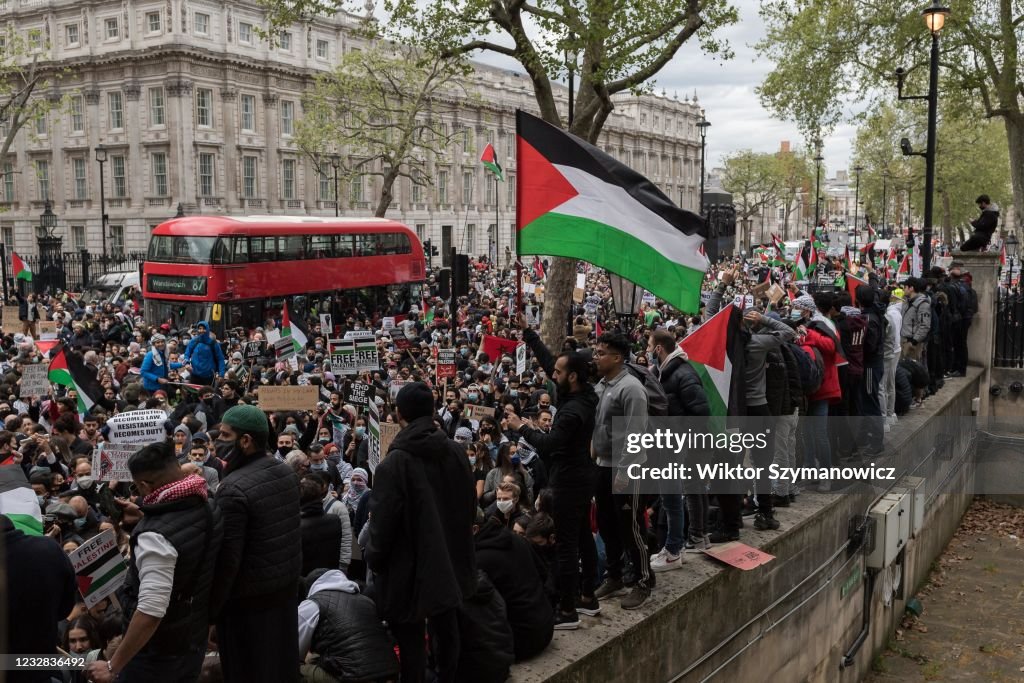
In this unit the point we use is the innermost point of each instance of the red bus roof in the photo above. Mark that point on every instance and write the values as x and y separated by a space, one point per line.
212 226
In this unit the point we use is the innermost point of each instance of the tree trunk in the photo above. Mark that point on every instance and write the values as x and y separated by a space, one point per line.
947 219
386 194
1015 137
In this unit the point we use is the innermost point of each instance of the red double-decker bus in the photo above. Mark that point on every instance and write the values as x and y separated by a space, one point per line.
237 271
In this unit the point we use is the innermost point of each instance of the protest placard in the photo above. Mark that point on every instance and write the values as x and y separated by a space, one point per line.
284 348
137 427
110 461
47 329
326 323
274 398
100 569
401 341
760 288
343 357
388 432
474 412
396 386
34 380
775 293
446 364
366 357
359 394
581 281
272 336
577 295
387 323
648 299
10 319
521 358
360 334
253 350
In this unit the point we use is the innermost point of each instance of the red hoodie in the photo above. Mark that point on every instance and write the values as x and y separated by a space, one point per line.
829 389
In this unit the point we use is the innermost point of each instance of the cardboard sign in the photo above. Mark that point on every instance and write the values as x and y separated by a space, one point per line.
47 329
366 356
274 398
739 555
10 318
326 323
253 350
521 358
272 336
359 394
343 358
475 412
760 288
110 461
387 323
529 288
446 364
99 567
34 381
401 341
775 294
388 432
284 348
360 334
577 295
137 427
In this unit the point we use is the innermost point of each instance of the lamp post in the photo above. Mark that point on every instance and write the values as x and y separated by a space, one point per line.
628 297
817 186
1012 246
856 206
101 157
181 211
934 19
703 125
335 162
51 266
885 181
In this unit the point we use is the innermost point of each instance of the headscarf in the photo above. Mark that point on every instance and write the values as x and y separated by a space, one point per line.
357 488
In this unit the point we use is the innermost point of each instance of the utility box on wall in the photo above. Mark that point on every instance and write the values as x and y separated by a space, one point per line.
892 529
914 488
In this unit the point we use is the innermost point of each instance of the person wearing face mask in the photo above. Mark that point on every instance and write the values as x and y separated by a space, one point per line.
318 462
198 456
357 446
86 523
260 560
326 539
204 356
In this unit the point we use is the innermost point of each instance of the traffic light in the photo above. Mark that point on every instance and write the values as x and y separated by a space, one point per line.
460 275
444 283
426 251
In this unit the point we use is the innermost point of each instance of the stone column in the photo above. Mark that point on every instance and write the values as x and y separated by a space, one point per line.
984 269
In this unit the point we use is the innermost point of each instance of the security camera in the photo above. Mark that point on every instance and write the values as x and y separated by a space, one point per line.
905 147
1017 387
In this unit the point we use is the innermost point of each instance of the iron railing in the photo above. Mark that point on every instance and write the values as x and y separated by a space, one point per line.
1009 347
75 271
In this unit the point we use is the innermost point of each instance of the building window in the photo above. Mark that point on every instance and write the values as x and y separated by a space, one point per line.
249 113
421 231
78 167
244 33
288 179
490 192
112 28
249 177
467 187
471 238
357 188
159 161
643 119
206 185
35 39
286 41
43 179
115 105
117 168
287 117
511 191
117 239
156 106
8 237
8 182
153 22
71 35
204 107
321 49
41 125
442 187
77 115
201 24
417 193
326 194
78 237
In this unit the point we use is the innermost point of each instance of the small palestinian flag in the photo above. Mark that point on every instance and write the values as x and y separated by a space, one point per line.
538 269
867 248
812 262
904 268
780 249
715 350
576 201
891 260
848 263
68 370
490 162
871 233
800 268
290 329
428 311
20 268
18 501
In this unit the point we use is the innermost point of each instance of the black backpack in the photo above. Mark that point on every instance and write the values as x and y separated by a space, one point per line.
657 401
812 368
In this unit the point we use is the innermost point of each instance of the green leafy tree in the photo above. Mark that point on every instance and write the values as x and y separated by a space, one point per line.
612 47
795 175
379 114
829 53
754 181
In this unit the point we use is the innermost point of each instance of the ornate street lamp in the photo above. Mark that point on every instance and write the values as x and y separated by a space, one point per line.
703 125
627 296
101 157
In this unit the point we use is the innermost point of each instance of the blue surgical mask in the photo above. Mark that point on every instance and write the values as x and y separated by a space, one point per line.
474 396
464 352
513 393
795 314
360 432
318 466
472 461
80 523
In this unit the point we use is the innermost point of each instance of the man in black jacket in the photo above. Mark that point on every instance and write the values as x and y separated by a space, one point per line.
984 225
872 427
321 533
261 556
420 548
166 598
686 398
571 476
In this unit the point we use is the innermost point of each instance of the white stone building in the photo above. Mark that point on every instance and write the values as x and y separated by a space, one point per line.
193 108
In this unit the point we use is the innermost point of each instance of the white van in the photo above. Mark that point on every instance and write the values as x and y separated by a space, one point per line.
112 287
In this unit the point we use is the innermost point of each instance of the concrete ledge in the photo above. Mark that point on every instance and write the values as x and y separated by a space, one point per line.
802 637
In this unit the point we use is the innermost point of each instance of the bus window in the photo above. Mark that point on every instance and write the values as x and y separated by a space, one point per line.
221 252
343 246
241 245
394 243
366 245
262 249
181 249
290 248
318 246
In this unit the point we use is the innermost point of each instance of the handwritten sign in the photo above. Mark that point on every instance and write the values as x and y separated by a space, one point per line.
110 461
47 329
577 295
446 364
739 555
34 381
274 398
137 427
388 432
775 293
474 412
359 394
100 569
253 350
10 318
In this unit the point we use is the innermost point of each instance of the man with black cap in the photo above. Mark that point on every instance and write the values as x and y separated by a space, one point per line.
254 597
422 511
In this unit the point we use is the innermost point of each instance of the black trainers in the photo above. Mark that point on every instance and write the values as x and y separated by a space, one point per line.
792 498
588 606
766 522
566 621
637 596
723 536
609 588
780 501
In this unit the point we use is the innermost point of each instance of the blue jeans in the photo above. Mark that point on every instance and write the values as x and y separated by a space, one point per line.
816 435
674 537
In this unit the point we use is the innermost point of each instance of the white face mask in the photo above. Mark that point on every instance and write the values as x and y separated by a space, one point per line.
505 506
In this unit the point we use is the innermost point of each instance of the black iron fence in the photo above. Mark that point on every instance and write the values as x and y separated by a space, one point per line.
76 271
1009 346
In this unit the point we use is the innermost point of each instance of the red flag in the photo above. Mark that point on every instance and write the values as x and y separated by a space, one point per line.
598 328
1002 256
904 266
852 282
495 347
538 268
867 248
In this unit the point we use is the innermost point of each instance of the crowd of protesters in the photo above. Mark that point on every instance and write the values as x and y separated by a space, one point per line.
273 546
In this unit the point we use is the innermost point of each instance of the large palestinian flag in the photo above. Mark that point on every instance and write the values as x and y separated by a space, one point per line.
68 369
20 268
574 200
18 501
715 350
292 329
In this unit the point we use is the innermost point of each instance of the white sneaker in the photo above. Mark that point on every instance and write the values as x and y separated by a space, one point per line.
667 561
887 428
661 553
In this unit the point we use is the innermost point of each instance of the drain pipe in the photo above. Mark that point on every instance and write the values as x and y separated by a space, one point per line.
869 590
